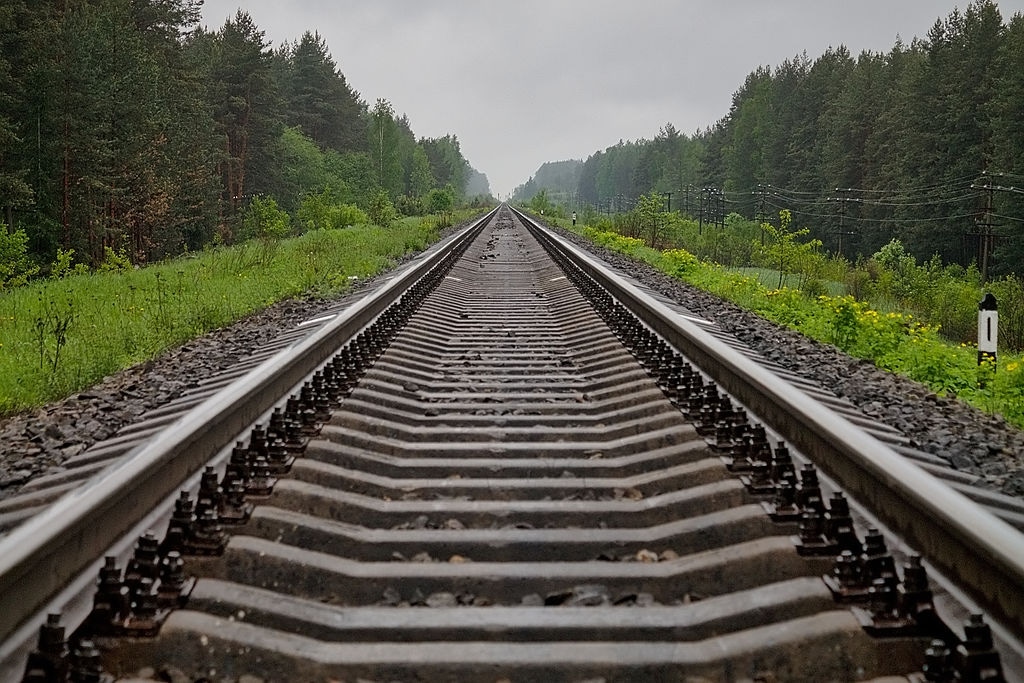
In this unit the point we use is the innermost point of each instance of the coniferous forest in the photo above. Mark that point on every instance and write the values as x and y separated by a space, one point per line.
924 144
125 125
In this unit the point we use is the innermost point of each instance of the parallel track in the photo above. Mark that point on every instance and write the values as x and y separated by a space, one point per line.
515 489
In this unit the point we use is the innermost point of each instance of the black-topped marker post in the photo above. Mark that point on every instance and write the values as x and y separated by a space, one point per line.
988 329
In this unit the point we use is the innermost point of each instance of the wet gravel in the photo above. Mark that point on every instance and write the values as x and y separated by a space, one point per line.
585 595
37 442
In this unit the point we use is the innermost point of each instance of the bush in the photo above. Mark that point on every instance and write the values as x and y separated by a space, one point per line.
115 261
323 211
1009 293
679 262
613 240
407 205
263 219
350 215
381 211
900 279
857 282
814 287
442 202
952 304
15 265
1009 387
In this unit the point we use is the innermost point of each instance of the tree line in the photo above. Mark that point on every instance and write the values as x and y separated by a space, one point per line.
126 125
923 143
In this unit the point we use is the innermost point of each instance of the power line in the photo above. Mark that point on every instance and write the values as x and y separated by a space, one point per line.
967 179
876 220
947 200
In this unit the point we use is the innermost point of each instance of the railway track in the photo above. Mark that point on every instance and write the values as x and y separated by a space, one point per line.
516 467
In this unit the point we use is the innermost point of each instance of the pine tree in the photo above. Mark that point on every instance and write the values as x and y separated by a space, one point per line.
14 191
242 95
319 99
1008 148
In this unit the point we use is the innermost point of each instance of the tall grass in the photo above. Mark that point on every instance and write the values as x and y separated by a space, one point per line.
60 336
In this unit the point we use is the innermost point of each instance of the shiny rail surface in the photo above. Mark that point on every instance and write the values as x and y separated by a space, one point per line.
513 474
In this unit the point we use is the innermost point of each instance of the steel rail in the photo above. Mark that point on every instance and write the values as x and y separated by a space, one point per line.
41 556
970 545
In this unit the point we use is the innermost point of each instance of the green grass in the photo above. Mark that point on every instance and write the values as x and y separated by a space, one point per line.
770 278
60 336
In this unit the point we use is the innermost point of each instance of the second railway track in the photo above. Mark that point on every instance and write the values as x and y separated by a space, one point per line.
517 480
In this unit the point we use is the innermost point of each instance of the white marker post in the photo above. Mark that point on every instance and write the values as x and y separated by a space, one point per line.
988 329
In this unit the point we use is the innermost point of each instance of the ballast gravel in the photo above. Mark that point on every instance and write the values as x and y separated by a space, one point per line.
38 442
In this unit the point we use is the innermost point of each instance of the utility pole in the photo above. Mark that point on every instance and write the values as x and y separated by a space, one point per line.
842 198
712 207
761 208
703 201
983 225
720 207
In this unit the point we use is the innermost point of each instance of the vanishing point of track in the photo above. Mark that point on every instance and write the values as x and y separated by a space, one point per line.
508 462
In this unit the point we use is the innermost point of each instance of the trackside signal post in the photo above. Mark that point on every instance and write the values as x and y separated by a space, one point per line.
988 329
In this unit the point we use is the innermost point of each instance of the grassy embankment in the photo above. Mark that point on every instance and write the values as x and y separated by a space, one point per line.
893 341
61 336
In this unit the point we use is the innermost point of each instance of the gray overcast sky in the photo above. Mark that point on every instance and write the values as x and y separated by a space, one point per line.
521 82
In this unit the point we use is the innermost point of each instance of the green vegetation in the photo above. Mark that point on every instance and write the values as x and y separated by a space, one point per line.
441 202
126 125
380 211
915 320
131 135
60 335
15 265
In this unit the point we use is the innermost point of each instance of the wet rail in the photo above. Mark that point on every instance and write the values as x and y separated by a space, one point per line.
510 463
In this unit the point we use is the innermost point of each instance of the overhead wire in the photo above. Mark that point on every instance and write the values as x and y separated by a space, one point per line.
811 204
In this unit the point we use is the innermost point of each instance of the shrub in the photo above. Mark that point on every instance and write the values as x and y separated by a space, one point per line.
265 220
65 265
442 202
613 240
407 205
1009 293
679 262
952 304
115 261
323 211
1008 385
350 215
857 282
15 265
381 211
